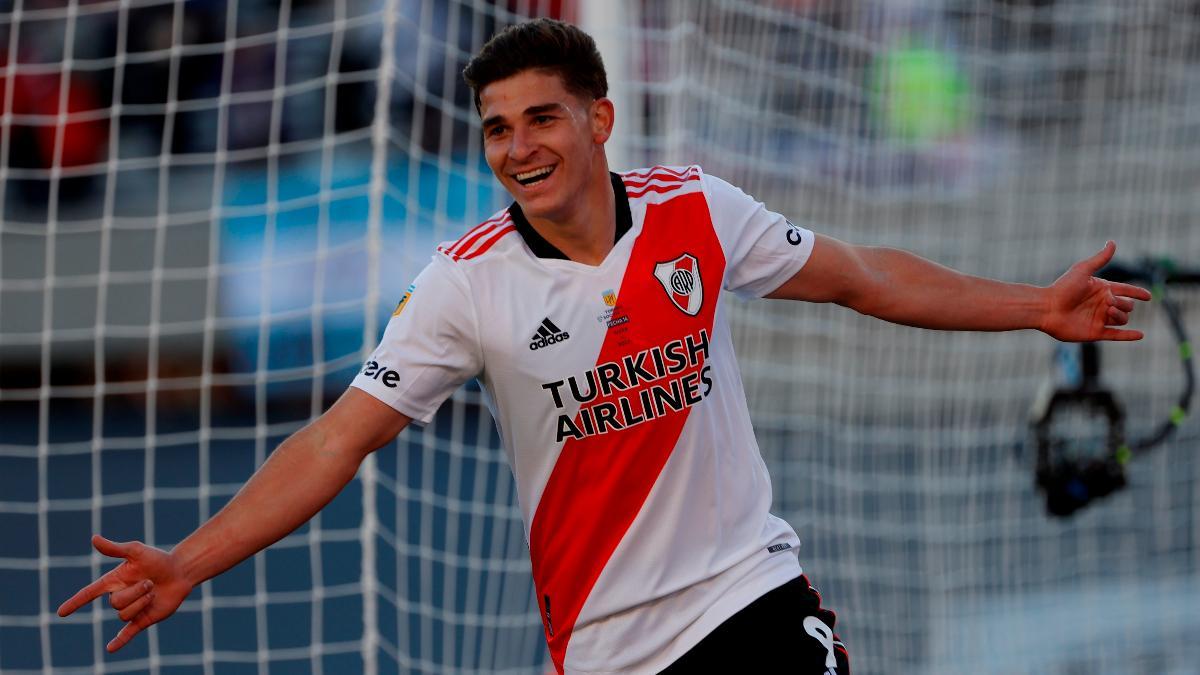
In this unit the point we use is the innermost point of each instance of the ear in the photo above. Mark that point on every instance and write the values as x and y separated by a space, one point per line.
603 115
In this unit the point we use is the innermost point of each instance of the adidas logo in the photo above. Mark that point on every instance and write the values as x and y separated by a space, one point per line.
547 334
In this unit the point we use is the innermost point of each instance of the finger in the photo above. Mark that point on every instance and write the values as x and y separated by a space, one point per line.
111 549
1123 304
105 584
1116 317
1101 259
138 605
131 629
86 594
126 596
1130 291
1121 334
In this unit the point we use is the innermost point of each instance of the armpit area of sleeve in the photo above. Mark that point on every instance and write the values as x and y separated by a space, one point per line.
781 264
395 399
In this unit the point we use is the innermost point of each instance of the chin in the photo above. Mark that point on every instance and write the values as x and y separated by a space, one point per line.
543 207
551 215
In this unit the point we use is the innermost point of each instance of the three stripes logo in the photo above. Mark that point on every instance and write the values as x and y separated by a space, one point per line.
547 334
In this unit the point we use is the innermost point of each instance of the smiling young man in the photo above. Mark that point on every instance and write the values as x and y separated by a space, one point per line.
591 311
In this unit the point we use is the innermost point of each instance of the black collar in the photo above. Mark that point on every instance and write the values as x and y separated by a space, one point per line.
544 249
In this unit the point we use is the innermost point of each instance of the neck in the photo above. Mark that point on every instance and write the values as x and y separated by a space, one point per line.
586 236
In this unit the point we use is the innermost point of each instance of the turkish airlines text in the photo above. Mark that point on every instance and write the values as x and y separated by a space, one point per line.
637 388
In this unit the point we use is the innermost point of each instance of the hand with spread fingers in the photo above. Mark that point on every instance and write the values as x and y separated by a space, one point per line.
145 589
1084 308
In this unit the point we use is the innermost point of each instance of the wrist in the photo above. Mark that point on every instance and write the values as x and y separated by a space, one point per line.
1044 311
187 563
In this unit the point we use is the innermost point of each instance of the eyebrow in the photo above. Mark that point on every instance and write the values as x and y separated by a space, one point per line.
529 112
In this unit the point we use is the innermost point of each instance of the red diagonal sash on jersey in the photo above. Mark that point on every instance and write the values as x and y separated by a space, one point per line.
600 482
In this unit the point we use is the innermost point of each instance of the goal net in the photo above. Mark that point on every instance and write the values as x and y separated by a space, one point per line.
1007 139
211 208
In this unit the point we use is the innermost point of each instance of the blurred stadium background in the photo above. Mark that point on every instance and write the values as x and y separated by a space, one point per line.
210 207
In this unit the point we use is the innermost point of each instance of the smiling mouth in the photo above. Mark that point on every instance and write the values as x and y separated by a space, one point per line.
535 176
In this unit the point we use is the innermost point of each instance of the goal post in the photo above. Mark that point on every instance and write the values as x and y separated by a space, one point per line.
211 209
608 24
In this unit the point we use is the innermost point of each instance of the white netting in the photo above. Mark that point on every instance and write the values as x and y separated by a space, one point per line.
183 282
208 212
1006 139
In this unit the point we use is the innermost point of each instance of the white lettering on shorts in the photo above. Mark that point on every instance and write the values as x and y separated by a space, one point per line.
821 633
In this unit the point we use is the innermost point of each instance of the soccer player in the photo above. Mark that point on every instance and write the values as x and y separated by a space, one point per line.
591 311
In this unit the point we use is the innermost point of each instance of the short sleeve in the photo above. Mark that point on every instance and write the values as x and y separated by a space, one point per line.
762 248
430 346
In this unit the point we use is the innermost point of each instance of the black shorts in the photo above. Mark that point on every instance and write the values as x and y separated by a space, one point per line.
784 631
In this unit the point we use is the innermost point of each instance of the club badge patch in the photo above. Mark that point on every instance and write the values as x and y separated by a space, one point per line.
681 280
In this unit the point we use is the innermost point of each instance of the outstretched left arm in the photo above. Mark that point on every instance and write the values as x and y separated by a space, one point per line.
904 288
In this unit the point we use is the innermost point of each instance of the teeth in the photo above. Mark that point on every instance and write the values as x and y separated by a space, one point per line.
535 173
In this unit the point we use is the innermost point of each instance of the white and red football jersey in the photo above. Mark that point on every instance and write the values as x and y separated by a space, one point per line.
618 398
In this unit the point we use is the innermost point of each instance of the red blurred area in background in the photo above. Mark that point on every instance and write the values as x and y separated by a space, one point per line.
83 141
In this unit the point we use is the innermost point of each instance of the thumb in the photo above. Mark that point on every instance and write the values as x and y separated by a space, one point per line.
111 549
1094 263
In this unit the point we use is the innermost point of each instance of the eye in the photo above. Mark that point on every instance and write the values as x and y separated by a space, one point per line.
542 119
494 131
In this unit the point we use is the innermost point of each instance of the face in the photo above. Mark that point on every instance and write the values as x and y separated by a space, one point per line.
545 144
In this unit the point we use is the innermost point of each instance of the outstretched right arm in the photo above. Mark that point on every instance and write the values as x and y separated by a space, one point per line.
303 475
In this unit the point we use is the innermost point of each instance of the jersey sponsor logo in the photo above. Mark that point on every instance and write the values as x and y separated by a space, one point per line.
776 548
381 373
794 237
404 300
680 278
623 393
547 334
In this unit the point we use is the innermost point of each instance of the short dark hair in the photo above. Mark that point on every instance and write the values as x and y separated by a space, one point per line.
540 44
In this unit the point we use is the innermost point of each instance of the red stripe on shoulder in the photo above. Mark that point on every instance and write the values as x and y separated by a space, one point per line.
465 244
642 174
494 237
658 177
474 231
660 188
663 176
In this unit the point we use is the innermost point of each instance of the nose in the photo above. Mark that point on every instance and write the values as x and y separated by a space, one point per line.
521 145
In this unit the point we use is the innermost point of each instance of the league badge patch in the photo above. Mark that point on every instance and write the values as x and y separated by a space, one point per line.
681 280
404 300
610 307
610 298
